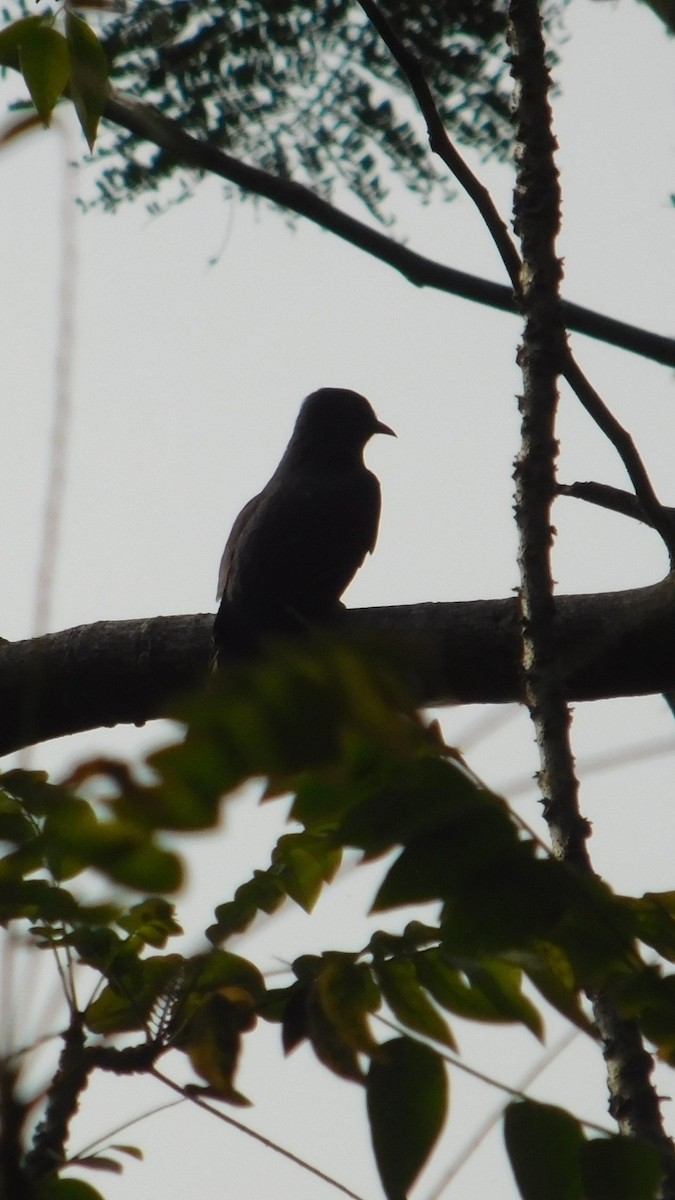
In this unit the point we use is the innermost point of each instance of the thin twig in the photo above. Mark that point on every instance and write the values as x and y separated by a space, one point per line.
475 1141
147 123
657 515
611 498
258 1137
454 1061
442 145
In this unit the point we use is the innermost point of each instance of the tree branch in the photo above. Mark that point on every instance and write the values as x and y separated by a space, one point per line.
537 224
633 1099
149 124
614 499
442 145
117 672
656 514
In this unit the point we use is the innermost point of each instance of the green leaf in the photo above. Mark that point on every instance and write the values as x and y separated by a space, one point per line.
620 1168
220 969
125 1148
152 922
304 862
392 814
500 983
136 987
65 1189
263 892
212 1041
45 64
407 1099
37 900
291 1007
12 37
647 997
100 1162
544 1145
328 1042
409 1002
549 969
15 826
471 846
654 915
37 795
486 989
347 994
76 839
89 75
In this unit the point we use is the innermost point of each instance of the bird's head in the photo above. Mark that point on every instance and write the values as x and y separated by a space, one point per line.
336 423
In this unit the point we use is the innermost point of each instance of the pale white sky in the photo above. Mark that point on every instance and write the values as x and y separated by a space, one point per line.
186 379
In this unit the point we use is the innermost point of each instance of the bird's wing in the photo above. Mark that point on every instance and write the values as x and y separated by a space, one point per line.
298 544
235 533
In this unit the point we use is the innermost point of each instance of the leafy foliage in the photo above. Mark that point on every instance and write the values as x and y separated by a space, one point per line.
553 1160
307 93
55 64
304 92
363 772
407 1098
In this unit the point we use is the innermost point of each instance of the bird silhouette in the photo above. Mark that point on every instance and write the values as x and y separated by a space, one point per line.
296 546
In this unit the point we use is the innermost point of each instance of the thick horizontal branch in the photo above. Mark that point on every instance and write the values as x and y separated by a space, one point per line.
147 123
117 672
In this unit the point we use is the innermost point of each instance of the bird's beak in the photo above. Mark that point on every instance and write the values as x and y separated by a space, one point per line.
380 427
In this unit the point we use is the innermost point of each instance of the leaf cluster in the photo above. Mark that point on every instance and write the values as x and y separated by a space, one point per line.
329 728
307 91
55 64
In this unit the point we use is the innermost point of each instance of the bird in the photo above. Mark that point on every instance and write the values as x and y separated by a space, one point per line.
296 546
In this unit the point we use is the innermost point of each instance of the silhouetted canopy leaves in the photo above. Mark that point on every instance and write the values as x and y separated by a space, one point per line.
306 90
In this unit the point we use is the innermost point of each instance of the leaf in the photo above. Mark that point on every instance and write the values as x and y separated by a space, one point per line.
100 1162
37 900
654 915
473 843
152 922
409 1002
75 839
621 1168
213 1042
544 1145
331 1047
500 983
392 814
407 1099
89 75
125 1148
294 1017
65 1189
486 989
347 994
220 969
136 987
45 64
305 862
37 795
646 996
549 969
12 37
15 826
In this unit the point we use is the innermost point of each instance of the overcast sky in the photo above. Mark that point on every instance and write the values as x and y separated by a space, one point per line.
186 379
